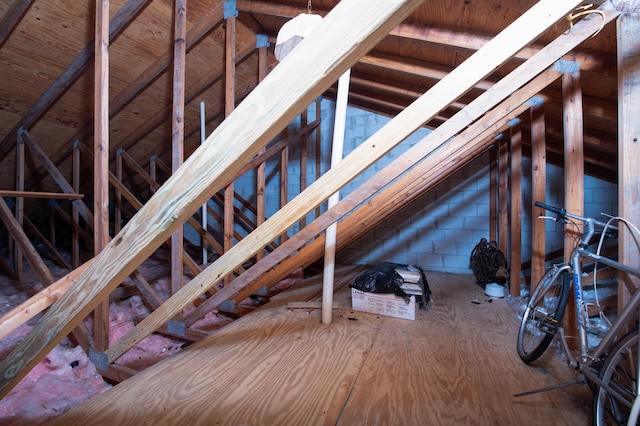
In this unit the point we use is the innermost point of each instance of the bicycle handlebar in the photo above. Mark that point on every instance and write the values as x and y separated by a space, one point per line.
563 213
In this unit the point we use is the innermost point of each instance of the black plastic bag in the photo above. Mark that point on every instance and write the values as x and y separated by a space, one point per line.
384 279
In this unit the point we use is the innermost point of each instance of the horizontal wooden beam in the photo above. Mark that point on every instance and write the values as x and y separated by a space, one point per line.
31 194
522 31
292 85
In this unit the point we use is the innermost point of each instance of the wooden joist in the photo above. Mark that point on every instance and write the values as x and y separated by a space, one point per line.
290 87
29 251
32 194
119 23
427 106
402 191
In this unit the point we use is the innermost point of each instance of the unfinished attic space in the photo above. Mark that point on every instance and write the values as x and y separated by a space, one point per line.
300 212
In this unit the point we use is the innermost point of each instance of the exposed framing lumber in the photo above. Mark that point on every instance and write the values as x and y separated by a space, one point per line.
399 128
493 193
261 182
403 189
628 143
591 60
195 34
101 161
19 207
229 106
12 18
119 23
515 223
21 239
191 186
473 111
32 194
538 192
573 169
57 176
503 188
177 134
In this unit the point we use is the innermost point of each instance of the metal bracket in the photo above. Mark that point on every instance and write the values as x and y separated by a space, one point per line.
262 41
564 66
99 359
230 9
228 305
176 328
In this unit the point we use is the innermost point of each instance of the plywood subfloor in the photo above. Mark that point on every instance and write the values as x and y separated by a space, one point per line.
456 364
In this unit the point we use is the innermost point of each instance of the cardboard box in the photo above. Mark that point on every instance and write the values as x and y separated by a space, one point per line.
384 304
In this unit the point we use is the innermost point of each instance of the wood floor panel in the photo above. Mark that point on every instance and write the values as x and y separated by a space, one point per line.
456 364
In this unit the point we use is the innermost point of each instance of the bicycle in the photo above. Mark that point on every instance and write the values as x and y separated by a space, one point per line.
610 367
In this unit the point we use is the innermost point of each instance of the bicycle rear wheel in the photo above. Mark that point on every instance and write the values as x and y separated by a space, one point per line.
620 373
543 314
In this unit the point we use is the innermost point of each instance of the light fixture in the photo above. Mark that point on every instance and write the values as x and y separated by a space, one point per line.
293 31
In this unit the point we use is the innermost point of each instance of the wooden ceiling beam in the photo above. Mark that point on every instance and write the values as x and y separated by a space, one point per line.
288 89
118 23
148 76
590 60
12 18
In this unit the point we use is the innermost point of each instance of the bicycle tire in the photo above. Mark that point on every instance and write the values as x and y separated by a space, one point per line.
543 314
620 372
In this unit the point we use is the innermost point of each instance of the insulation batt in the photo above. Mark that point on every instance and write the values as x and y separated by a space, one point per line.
66 377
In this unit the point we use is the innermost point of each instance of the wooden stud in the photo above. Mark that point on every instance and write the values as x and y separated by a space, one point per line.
19 206
270 109
58 178
493 193
177 134
101 161
503 200
21 239
403 189
628 144
284 178
573 172
515 191
120 21
75 217
538 193
230 103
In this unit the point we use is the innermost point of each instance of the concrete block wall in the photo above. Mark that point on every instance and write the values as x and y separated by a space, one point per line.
438 231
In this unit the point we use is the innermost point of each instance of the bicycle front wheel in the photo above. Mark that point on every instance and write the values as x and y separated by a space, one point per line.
543 314
612 402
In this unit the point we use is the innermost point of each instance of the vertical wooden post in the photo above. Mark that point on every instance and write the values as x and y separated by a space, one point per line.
318 145
573 166
229 103
18 261
284 178
628 26
75 216
538 192
101 161
304 120
262 45
503 187
204 215
177 136
515 254
117 197
493 193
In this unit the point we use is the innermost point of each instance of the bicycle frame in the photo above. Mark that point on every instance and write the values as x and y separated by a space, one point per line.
631 311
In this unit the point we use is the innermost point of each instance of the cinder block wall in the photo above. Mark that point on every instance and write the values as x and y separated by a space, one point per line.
438 231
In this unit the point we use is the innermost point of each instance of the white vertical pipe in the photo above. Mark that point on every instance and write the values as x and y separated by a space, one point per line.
330 234
204 214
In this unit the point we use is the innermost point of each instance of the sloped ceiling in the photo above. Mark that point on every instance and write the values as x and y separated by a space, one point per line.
46 73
